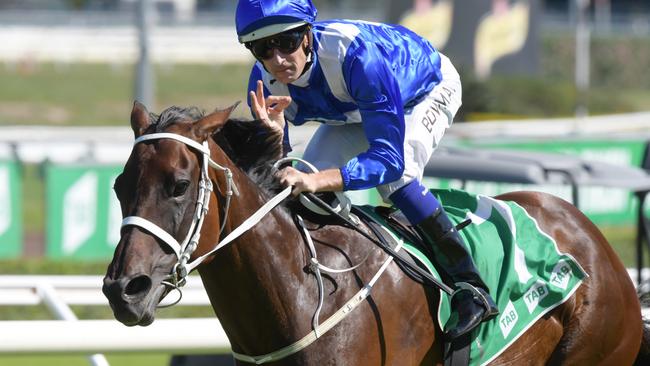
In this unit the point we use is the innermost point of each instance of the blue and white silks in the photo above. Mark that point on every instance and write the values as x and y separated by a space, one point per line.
366 73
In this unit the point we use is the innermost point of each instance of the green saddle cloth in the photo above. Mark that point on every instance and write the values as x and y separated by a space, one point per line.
527 274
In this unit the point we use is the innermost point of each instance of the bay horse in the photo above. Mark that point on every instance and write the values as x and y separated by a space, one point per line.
260 285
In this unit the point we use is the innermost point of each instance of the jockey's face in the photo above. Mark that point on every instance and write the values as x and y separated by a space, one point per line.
287 67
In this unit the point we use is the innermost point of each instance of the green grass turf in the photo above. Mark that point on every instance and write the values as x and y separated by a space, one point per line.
146 359
101 94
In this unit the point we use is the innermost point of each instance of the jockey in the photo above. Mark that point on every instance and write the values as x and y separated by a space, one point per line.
385 97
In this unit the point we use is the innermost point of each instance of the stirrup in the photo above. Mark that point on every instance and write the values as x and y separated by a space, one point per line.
476 293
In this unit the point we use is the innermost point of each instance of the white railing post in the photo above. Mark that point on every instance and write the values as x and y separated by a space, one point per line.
62 311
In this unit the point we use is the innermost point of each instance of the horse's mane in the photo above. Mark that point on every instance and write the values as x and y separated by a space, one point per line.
250 144
253 147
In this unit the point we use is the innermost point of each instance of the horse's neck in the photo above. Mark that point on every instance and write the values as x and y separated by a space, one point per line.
257 274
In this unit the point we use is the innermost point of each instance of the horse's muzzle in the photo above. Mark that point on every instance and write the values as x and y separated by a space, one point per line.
131 299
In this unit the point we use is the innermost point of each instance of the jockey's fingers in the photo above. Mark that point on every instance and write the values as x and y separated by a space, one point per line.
283 177
257 96
260 91
274 109
278 103
289 176
296 190
253 97
255 105
287 170
285 100
298 185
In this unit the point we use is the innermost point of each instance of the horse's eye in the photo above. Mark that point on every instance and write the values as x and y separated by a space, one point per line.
180 188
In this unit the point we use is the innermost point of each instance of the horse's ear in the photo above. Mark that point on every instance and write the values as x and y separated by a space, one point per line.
140 119
211 123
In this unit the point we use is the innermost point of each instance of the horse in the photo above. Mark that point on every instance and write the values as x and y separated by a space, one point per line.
262 289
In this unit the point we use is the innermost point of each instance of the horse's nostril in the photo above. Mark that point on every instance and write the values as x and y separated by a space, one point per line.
138 285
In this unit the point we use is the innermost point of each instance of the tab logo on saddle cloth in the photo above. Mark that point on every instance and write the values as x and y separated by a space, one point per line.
534 295
561 275
508 319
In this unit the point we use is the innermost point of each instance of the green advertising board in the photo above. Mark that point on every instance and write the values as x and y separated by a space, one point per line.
83 214
603 205
10 210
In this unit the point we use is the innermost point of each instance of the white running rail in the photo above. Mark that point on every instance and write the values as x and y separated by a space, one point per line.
79 290
68 335
71 336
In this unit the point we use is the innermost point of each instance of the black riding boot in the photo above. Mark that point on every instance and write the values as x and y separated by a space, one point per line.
470 305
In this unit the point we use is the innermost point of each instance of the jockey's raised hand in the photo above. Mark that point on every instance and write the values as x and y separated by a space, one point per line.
269 110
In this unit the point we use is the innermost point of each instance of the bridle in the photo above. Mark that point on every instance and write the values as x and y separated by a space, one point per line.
184 250
178 276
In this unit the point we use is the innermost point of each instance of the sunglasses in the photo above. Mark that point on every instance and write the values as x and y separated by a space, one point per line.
285 42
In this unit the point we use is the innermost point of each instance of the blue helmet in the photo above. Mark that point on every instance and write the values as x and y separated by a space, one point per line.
256 19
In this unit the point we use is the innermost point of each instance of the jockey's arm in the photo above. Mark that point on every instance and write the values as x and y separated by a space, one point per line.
329 180
377 94
375 89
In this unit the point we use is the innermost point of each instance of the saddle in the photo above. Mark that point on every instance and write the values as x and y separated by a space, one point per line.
397 222
383 216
